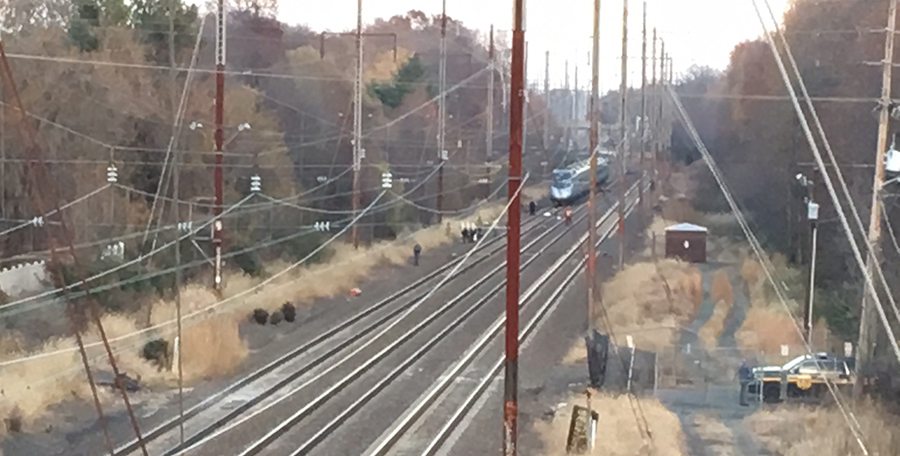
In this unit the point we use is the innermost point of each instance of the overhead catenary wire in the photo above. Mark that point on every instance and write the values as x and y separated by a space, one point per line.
54 211
47 298
176 129
209 309
760 255
869 281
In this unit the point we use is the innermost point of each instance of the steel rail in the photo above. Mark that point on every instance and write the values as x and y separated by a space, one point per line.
384 382
337 387
318 341
476 394
163 428
383 445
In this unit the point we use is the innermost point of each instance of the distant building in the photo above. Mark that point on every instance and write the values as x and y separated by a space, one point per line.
687 242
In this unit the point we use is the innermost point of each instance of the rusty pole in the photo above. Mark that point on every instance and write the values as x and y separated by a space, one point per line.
643 130
357 122
220 136
623 125
517 94
489 139
39 183
655 130
442 114
590 270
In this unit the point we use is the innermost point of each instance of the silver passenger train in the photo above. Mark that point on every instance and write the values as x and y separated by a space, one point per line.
569 184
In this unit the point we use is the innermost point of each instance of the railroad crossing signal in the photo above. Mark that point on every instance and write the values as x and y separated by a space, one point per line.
112 174
322 226
255 183
185 226
387 180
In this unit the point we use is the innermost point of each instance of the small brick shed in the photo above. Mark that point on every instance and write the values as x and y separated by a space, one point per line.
686 241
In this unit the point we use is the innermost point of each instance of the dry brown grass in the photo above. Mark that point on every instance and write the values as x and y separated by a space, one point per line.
212 345
711 330
637 297
617 434
721 288
766 329
28 389
822 431
717 438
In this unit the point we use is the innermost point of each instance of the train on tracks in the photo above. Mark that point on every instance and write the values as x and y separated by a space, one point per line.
571 183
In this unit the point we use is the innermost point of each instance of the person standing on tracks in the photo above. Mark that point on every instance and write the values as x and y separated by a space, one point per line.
568 215
745 376
417 250
532 208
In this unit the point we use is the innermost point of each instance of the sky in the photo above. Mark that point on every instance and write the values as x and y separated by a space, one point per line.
701 32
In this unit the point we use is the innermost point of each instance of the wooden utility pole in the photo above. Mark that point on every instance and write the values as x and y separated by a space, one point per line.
868 328
513 220
575 99
594 144
357 123
643 131
623 121
546 136
812 217
442 113
176 196
657 94
219 138
489 139
569 115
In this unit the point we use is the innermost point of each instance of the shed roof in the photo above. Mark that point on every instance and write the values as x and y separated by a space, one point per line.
687 227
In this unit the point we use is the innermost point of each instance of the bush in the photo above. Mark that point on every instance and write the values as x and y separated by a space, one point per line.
289 312
260 316
276 317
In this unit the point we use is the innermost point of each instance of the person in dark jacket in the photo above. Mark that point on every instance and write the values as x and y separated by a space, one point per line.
745 376
532 208
417 250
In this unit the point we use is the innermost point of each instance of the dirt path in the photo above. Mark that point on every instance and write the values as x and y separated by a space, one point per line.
711 417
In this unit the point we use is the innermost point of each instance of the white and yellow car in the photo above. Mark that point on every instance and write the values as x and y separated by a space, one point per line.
805 377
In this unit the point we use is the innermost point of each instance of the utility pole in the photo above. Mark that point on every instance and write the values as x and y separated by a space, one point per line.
663 119
513 219
526 107
546 101
489 139
357 122
569 114
594 144
575 97
658 95
219 138
643 131
623 121
868 318
442 112
812 214
176 196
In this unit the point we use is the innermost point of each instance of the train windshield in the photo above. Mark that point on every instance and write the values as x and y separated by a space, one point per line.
561 177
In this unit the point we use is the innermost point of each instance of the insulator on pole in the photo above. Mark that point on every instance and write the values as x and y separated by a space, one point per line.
112 174
255 183
387 180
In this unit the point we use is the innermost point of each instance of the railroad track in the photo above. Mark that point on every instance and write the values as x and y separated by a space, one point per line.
329 403
269 384
437 415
